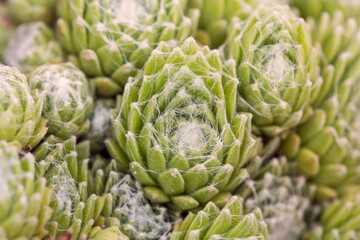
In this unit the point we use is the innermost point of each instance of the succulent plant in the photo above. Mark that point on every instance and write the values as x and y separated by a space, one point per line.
111 233
340 220
100 124
282 202
178 126
229 223
20 113
128 209
7 28
325 146
32 10
32 45
216 15
276 67
308 8
68 98
112 39
24 200
65 166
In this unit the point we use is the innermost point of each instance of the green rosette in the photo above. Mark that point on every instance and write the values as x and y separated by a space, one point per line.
276 66
315 9
68 99
325 146
127 207
112 39
20 113
216 15
282 201
177 125
231 222
32 45
24 200
339 220
65 166
24 11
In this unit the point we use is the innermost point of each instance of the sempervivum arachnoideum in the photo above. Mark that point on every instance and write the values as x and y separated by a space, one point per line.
178 126
32 45
325 146
65 166
112 39
127 207
276 66
20 113
68 99
24 200
32 10
231 222
282 201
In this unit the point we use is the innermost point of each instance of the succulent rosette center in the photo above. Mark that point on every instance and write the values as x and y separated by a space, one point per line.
275 64
177 124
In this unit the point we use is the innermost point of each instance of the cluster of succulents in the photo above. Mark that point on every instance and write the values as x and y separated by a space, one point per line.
179 119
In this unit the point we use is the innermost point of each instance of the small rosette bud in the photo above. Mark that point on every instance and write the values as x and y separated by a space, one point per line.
231 222
68 100
65 166
276 66
20 113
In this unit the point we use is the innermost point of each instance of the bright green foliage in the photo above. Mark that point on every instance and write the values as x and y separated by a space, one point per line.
32 10
229 223
32 45
310 8
215 16
282 202
111 233
65 166
68 98
276 67
340 220
126 206
24 200
100 124
113 39
325 146
20 113
178 126
7 28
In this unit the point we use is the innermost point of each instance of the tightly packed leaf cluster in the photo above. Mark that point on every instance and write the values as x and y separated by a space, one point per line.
113 39
179 120
178 126
325 146
24 200
127 207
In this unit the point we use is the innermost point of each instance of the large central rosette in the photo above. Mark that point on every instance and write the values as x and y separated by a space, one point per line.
177 124
276 66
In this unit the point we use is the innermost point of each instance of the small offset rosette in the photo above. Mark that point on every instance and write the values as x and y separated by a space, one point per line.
276 66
